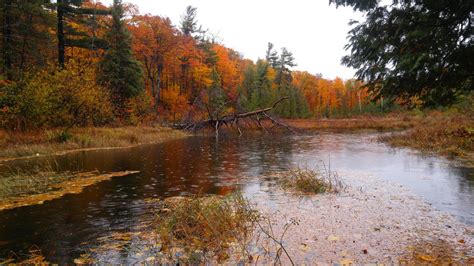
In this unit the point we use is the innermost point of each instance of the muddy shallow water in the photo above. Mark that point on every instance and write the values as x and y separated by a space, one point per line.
61 228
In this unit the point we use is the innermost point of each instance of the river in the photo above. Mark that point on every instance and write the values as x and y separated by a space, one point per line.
61 228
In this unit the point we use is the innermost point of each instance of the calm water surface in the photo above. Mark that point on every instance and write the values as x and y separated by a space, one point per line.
201 164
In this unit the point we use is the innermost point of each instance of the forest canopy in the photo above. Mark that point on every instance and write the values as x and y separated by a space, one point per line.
78 62
408 48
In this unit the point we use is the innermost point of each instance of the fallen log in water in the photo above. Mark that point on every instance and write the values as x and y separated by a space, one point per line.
234 119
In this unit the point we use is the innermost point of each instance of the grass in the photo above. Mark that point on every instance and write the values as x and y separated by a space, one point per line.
310 181
194 230
34 180
389 122
206 227
33 257
42 183
46 142
451 135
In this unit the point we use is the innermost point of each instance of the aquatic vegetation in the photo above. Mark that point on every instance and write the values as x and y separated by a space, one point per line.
33 257
310 181
206 226
24 188
32 180
194 230
188 230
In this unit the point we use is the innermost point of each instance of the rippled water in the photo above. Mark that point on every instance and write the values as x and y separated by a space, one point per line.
60 228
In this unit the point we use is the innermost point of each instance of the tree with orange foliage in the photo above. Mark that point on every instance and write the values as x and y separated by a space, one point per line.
154 44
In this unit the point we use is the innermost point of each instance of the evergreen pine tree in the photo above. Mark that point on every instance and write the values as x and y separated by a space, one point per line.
263 83
217 96
413 48
23 40
119 71
70 12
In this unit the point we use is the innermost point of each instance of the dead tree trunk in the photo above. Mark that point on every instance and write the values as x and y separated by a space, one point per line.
233 120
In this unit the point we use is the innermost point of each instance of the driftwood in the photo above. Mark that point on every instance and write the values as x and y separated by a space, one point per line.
234 119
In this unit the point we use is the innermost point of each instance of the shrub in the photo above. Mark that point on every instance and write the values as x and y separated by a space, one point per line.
59 136
138 109
55 97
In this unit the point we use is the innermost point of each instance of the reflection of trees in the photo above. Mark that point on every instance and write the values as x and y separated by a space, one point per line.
467 174
263 154
197 164
465 186
194 165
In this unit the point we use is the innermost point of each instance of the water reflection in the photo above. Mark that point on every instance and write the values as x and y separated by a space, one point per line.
204 165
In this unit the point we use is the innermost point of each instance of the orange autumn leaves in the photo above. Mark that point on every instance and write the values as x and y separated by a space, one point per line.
327 97
178 73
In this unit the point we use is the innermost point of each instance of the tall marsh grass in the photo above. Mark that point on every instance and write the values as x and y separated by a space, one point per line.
310 181
33 180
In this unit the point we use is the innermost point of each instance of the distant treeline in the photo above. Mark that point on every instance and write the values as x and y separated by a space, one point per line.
79 63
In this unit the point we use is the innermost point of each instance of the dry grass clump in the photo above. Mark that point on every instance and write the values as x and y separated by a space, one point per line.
443 134
205 228
195 230
310 181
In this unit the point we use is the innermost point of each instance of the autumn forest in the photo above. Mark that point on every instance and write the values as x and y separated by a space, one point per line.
129 137
139 67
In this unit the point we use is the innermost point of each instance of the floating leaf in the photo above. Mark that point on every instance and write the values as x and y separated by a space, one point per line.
426 258
304 247
346 262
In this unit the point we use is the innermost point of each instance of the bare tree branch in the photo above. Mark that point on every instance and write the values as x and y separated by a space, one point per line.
233 119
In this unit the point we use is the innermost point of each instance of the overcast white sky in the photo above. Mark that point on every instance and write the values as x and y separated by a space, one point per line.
314 31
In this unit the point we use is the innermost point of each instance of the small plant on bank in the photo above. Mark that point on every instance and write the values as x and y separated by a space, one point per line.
60 136
310 181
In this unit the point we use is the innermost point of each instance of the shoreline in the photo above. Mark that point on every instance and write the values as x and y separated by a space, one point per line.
453 143
39 144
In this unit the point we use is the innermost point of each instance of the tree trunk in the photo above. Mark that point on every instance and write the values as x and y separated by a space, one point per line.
360 105
7 39
158 85
60 32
